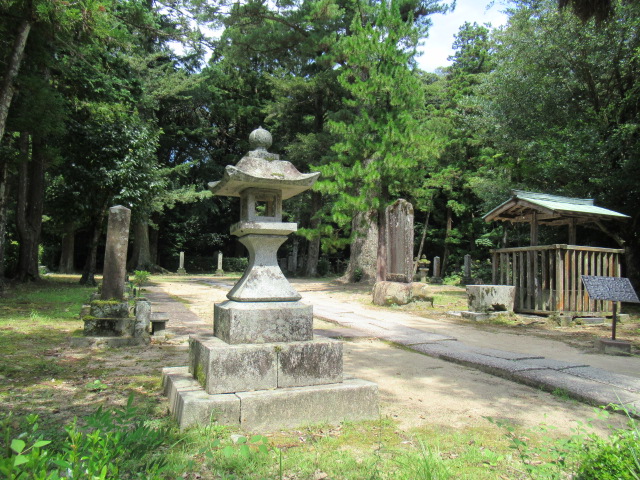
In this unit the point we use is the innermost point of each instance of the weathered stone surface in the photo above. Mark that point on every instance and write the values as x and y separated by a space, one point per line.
466 271
400 241
590 320
109 327
109 309
174 380
309 363
263 322
491 298
190 405
85 310
420 292
436 278
143 315
614 347
115 255
390 293
263 281
223 368
351 400
108 342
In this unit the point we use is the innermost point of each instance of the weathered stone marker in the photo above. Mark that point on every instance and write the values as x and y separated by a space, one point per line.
219 270
115 255
466 272
400 242
107 321
436 278
262 368
181 270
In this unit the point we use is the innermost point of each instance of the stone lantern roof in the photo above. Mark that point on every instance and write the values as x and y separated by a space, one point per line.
261 169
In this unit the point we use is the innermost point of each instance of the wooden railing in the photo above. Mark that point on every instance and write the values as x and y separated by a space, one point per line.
547 277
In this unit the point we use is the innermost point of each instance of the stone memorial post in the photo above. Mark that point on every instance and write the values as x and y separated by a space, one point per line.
115 255
181 270
400 242
108 321
466 273
219 270
436 278
262 368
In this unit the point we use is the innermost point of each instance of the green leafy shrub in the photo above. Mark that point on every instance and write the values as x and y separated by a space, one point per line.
235 264
140 277
115 444
582 456
613 458
357 274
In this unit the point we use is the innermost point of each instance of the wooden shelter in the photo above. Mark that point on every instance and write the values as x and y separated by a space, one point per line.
547 277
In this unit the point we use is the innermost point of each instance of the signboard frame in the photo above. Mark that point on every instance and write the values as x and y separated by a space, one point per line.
614 289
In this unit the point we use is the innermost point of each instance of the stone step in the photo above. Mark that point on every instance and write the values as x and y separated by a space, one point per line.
265 410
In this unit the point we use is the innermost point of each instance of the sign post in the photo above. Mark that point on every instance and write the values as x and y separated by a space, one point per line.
615 289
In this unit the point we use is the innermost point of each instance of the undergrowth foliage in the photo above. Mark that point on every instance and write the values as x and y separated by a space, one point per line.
581 456
114 444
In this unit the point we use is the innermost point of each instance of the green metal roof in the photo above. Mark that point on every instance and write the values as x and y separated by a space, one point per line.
554 207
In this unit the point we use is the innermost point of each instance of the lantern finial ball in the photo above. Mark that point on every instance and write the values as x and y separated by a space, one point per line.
260 139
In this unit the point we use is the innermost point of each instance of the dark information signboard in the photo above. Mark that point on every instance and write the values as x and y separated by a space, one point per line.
616 289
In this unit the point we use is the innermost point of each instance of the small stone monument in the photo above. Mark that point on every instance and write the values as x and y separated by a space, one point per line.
466 272
436 278
181 270
262 369
106 320
423 268
219 270
400 242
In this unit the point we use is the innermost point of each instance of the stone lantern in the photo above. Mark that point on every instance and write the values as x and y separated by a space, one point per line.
263 368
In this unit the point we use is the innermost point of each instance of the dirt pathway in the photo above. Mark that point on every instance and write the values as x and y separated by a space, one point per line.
415 390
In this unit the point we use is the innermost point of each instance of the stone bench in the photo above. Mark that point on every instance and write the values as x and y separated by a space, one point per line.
158 322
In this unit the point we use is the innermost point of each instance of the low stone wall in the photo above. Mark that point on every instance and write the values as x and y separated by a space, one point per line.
491 298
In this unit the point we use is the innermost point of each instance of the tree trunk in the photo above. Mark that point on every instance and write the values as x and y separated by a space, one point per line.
424 235
67 264
89 271
153 244
141 255
362 258
4 200
30 206
445 256
7 90
313 249
381 264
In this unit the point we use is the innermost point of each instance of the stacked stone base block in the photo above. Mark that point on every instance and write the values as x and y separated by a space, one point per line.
350 400
263 322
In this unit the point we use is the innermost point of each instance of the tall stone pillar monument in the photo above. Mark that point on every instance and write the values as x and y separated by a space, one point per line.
115 255
262 368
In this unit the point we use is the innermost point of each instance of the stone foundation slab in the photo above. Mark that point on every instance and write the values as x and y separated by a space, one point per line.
352 400
190 405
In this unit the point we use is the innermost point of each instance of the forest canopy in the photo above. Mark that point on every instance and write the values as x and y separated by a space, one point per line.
143 102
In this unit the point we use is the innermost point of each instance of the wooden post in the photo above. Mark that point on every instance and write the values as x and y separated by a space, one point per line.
534 229
559 306
572 231
494 266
